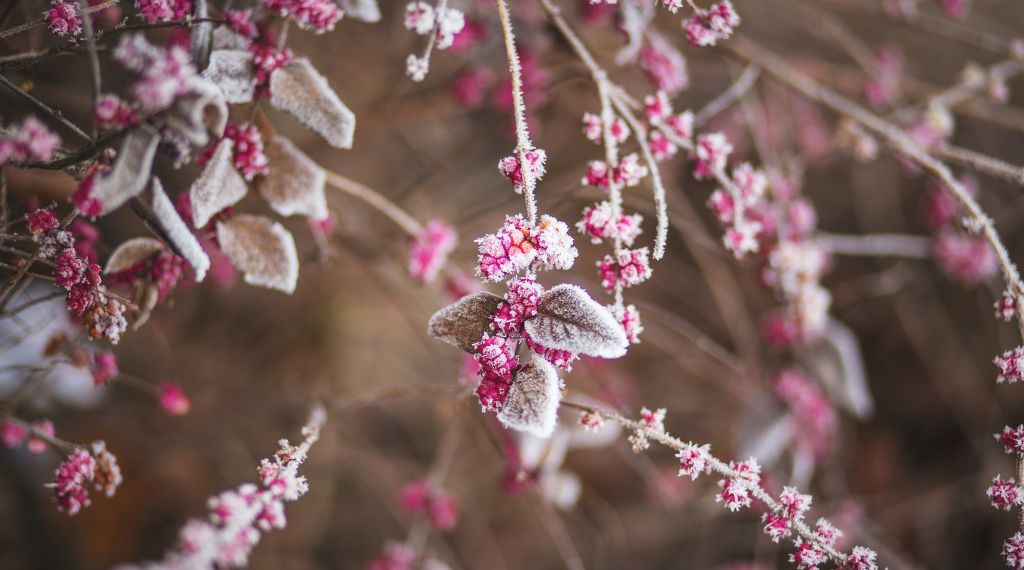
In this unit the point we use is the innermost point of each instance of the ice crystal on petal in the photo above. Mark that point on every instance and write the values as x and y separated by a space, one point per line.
693 460
1005 494
1011 365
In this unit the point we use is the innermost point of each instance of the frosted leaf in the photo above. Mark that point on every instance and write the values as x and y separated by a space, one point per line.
568 319
262 250
295 184
199 112
363 10
303 92
232 71
130 172
226 38
131 252
464 322
160 215
532 402
219 186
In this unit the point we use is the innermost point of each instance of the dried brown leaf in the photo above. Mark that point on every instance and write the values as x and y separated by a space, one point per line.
131 252
464 322
299 89
532 402
218 186
295 184
128 176
262 250
568 319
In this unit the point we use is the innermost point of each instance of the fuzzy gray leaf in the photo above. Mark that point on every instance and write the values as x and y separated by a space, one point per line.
465 321
219 186
295 184
262 250
532 402
568 319
131 252
232 71
127 178
363 10
159 213
199 112
300 90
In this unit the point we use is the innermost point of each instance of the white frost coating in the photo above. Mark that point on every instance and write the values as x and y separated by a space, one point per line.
127 178
219 186
568 319
226 38
532 402
262 250
131 252
464 322
232 71
199 112
363 10
294 184
175 229
303 92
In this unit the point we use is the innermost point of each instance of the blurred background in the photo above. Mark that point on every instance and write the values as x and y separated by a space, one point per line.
908 478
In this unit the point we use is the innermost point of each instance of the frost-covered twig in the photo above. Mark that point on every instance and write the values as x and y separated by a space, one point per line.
726 98
523 142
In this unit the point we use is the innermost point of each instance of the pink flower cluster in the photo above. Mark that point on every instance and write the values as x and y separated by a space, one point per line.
29 140
14 435
811 409
663 65
164 73
629 319
317 15
778 525
154 11
248 150
63 18
516 246
112 112
103 367
81 469
429 250
734 492
628 172
693 460
1011 366
511 168
1005 494
708 27
440 507
631 267
497 361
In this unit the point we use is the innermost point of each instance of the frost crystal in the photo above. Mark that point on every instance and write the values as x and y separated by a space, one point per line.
568 319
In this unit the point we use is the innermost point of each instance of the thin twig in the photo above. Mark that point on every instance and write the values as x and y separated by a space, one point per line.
45 108
523 143
42 21
727 98
409 224
877 245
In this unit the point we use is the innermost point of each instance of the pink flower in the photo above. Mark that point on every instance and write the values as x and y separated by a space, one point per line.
717 23
1006 306
509 250
681 124
693 460
861 558
248 150
266 60
779 329
555 249
807 556
1013 551
38 445
42 221
470 35
810 407
63 18
29 141
663 64
173 399
597 223
597 174
165 271
632 267
654 420
11 434
443 511
1012 439
104 367
968 258
414 496
591 422
317 15
71 481
510 168
1004 494
521 301
154 11
559 358
165 72
629 320
240 22
429 250
495 356
111 112
661 146
630 172
711 155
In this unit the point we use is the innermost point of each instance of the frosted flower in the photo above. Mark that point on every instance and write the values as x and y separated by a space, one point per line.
632 267
247 148
733 494
1011 365
681 124
1012 439
417 67
396 557
107 476
509 250
29 140
722 204
429 250
37 445
968 258
521 302
712 154
776 526
419 17
1004 494
154 11
597 224
240 22
693 460
173 400
655 420
495 356
450 23
861 558
826 532
629 319
165 73
597 174
1013 551
717 23
591 422
1006 306
661 146
629 171
559 358
535 161
111 112
555 248
71 482
592 127
750 182
317 15
807 556
266 59
657 107
63 18
663 64
42 221
741 238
